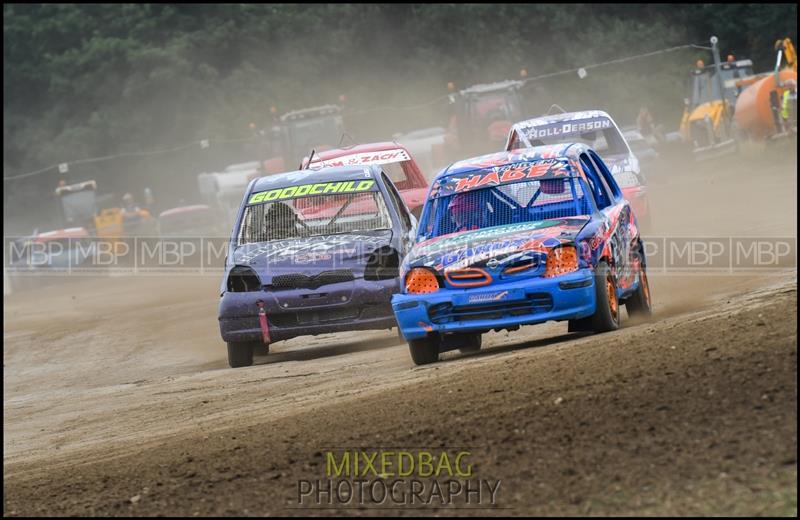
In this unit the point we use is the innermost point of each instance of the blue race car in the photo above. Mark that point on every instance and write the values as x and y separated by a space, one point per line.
312 252
518 238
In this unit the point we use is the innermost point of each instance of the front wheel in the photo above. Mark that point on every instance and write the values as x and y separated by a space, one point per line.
426 350
240 354
606 314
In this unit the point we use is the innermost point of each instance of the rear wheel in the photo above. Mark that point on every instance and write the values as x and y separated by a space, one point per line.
606 314
639 303
240 354
426 350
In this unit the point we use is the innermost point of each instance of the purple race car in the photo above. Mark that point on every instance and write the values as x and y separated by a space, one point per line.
313 252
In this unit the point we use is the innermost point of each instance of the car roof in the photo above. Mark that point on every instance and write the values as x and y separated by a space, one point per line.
359 148
555 118
331 174
562 151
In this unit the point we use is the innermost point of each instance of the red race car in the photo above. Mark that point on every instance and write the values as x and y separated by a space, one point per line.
393 158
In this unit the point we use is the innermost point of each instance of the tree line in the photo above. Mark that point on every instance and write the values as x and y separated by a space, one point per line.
93 80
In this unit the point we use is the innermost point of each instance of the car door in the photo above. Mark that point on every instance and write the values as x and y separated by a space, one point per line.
616 214
627 224
408 222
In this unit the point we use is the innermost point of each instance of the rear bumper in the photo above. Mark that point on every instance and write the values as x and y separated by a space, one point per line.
504 305
359 305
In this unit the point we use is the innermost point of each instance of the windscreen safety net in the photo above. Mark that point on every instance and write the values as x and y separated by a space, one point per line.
513 203
317 215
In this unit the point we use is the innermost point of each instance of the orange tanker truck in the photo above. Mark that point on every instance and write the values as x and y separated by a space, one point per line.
759 112
728 103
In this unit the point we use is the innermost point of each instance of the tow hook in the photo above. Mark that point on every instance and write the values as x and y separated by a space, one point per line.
262 320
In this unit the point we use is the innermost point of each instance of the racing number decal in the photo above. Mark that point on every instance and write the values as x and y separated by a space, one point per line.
511 173
304 190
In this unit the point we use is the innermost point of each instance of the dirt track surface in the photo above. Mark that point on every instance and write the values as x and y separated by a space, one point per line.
119 388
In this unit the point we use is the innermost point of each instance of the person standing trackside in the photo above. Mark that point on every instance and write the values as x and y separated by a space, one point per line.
647 127
789 102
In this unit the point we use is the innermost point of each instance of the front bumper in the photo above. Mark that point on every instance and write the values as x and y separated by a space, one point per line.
500 306
338 307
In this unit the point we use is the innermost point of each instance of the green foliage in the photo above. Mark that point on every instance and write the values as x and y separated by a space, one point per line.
91 80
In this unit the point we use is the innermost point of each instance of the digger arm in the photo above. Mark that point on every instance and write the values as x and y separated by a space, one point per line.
788 52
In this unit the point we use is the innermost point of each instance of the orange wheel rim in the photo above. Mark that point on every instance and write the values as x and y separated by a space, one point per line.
612 296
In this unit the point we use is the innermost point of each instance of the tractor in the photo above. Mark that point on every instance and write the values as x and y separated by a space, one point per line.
481 115
299 131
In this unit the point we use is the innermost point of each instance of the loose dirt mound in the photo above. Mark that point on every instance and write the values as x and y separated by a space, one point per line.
690 415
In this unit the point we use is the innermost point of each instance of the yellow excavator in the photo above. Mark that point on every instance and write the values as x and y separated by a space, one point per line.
708 109
727 106
79 208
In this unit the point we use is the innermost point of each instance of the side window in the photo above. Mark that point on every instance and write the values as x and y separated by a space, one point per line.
602 180
615 142
515 143
398 202
598 189
429 224
414 176
397 173
606 176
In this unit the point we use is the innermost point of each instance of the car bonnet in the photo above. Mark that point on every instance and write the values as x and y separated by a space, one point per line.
311 255
468 248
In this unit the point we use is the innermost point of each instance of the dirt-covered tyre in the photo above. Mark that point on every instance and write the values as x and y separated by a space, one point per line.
240 354
426 350
639 303
606 314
